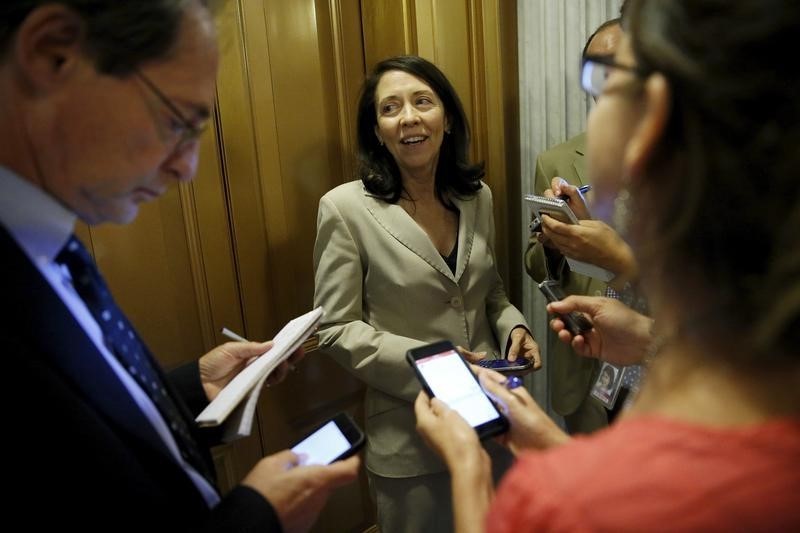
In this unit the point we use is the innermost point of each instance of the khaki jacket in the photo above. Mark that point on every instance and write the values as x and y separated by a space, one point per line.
570 374
385 289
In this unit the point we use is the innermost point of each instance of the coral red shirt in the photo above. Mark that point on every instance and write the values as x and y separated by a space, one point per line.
655 474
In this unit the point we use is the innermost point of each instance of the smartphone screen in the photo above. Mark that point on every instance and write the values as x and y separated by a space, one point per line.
447 377
336 439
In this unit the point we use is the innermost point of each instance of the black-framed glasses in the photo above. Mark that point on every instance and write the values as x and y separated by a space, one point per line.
596 69
186 131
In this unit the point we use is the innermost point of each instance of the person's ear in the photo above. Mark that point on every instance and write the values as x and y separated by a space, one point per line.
48 45
648 133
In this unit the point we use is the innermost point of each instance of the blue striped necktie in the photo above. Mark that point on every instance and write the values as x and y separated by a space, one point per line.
121 339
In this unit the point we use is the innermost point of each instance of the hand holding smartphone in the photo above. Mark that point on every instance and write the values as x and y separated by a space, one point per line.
337 439
575 323
445 375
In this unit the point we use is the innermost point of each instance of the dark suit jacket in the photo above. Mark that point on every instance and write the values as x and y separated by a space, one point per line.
79 450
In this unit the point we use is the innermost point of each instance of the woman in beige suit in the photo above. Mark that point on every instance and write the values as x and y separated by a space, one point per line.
405 257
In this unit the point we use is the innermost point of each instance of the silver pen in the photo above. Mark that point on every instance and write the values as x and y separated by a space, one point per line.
233 336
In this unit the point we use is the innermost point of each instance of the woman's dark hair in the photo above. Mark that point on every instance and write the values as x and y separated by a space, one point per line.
377 168
717 211
120 34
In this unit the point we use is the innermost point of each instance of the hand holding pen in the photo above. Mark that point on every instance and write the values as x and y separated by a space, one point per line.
280 373
536 224
583 189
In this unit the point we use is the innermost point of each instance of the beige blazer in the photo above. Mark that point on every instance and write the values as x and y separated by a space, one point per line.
385 289
570 374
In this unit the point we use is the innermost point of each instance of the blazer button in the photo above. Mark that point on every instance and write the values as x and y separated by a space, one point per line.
455 301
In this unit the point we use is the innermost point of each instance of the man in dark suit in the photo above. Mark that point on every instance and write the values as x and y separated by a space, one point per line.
101 103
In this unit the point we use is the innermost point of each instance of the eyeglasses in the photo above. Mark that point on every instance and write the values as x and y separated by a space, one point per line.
595 71
184 129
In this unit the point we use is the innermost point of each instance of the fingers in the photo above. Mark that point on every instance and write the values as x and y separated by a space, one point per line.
557 184
516 343
552 227
342 472
494 387
530 350
422 408
507 400
282 460
247 350
536 356
279 374
472 357
582 348
490 374
584 304
557 325
422 399
297 356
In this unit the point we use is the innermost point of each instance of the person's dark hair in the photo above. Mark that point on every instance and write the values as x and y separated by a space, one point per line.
377 168
717 210
120 34
600 29
610 373
622 9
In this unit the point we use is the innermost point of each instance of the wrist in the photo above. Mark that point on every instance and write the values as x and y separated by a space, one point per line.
626 270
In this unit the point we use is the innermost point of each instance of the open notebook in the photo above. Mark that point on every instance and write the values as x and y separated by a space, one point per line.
236 403
559 209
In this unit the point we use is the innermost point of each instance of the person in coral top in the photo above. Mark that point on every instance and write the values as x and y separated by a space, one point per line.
697 115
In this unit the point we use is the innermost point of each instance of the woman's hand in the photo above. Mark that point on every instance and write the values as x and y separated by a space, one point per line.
530 425
521 344
449 435
446 432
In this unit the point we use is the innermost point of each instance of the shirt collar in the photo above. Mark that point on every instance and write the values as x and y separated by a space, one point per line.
39 223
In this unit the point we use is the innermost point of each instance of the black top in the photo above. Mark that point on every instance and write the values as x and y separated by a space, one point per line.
451 259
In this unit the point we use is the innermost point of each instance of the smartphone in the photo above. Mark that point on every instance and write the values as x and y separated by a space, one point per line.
336 439
504 366
575 323
445 375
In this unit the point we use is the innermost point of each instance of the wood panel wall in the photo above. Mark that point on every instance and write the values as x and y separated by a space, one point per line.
233 248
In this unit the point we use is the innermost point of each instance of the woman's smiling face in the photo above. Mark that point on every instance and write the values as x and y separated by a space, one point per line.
411 122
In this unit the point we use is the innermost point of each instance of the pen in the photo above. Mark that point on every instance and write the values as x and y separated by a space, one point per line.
583 189
233 336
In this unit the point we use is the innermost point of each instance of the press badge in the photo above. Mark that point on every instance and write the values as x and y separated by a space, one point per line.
607 385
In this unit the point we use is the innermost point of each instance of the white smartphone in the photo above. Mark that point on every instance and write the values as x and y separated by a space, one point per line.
445 374
336 439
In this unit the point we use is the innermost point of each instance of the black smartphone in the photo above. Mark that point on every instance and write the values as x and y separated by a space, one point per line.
336 439
504 366
576 323
444 374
